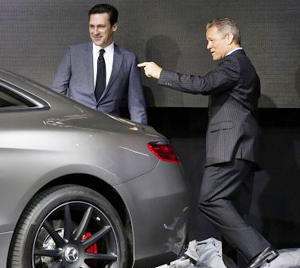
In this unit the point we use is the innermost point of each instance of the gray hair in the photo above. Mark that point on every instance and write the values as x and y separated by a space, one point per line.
226 26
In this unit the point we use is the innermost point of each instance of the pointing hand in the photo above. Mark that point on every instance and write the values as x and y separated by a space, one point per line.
151 69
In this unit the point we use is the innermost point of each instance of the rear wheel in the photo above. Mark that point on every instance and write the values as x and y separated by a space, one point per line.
69 226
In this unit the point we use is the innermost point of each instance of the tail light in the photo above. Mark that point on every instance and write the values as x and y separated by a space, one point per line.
163 151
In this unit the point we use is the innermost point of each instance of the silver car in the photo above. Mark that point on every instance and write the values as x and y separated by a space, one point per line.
80 188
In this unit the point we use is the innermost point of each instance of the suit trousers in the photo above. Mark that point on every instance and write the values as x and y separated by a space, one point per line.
225 198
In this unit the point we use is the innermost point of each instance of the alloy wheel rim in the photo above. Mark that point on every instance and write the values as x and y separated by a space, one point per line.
75 234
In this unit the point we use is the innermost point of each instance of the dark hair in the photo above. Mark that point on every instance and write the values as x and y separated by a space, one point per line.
105 8
226 26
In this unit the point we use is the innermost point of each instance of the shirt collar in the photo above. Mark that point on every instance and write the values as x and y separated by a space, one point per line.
108 49
230 52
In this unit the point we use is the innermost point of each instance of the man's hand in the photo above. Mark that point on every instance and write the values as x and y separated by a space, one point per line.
151 69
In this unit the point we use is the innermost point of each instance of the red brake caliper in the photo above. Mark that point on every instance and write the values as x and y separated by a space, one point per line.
93 248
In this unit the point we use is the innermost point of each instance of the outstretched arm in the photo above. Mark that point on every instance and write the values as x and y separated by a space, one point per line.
224 77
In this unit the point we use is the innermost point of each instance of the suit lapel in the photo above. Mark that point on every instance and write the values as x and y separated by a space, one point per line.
117 62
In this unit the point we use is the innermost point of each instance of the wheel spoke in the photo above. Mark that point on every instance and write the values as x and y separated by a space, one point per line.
107 257
95 237
83 224
67 223
54 253
56 237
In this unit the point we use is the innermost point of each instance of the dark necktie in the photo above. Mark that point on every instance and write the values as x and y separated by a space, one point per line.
101 76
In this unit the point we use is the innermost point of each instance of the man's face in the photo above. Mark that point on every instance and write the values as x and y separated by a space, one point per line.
217 43
101 31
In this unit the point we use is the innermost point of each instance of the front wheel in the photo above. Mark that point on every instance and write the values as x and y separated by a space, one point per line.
68 226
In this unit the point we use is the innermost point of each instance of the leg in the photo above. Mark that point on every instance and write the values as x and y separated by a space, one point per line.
220 203
229 254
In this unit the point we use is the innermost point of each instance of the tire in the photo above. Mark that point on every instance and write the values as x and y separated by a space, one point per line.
68 226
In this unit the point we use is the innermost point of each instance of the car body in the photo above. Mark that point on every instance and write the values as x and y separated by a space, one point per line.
65 165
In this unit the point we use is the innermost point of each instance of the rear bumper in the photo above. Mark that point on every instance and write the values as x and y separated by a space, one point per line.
158 211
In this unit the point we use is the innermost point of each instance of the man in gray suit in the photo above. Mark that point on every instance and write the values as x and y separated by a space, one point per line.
99 74
232 141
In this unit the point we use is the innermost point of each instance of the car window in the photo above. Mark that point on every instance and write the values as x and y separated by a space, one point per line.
14 100
10 99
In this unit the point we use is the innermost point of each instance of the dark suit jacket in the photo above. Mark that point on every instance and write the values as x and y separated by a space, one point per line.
234 89
75 76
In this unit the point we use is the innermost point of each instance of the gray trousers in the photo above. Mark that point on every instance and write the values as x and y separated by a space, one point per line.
225 199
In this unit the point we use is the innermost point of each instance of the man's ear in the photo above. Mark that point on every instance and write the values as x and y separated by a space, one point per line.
115 27
229 38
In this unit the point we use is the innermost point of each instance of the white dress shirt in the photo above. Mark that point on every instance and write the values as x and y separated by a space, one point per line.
230 52
108 58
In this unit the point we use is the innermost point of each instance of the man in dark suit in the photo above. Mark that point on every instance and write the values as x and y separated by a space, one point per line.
232 142
99 74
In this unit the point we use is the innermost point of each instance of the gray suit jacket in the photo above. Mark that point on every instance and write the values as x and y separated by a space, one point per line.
234 89
75 76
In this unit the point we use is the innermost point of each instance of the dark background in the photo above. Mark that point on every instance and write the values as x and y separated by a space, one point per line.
276 199
35 34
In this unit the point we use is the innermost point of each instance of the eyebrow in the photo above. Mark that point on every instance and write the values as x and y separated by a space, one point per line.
97 25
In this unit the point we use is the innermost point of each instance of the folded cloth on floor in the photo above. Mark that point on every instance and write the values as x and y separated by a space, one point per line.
201 254
179 263
288 258
208 254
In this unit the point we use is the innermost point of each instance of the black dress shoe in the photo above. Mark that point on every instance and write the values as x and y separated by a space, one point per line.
268 255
